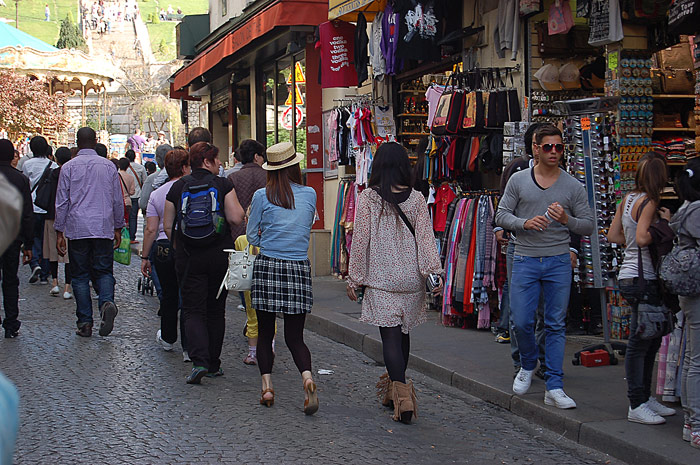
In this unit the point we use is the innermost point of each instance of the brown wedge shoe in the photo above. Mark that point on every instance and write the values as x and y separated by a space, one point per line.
385 391
405 402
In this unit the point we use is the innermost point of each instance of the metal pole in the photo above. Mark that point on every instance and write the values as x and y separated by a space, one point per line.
17 14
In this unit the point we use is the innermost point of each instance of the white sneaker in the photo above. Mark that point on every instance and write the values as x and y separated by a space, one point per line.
166 345
559 399
686 432
658 408
55 291
644 415
67 295
241 307
186 357
522 382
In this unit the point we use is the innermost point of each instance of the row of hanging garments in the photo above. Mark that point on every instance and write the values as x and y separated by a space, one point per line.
472 258
343 224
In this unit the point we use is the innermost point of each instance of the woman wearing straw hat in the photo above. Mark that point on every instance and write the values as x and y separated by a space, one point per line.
280 222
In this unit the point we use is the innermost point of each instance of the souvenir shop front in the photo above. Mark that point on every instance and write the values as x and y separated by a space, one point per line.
572 50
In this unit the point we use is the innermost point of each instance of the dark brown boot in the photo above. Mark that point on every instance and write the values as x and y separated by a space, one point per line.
385 391
84 330
405 402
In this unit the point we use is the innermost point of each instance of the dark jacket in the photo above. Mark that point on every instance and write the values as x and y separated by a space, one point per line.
21 183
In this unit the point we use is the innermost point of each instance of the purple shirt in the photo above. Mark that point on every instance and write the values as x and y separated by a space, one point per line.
156 206
136 142
89 202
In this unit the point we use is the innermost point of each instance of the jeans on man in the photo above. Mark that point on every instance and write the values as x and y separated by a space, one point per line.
539 327
91 258
38 247
531 277
9 265
641 353
133 218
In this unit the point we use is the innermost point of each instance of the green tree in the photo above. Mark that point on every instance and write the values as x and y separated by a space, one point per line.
163 47
156 17
70 36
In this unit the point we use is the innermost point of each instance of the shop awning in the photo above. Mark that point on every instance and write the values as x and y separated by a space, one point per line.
347 10
283 13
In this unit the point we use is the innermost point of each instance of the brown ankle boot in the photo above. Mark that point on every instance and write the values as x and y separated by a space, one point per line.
385 391
405 402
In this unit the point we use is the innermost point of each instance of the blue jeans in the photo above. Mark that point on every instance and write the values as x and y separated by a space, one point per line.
531 277
91 258
38 247
539 327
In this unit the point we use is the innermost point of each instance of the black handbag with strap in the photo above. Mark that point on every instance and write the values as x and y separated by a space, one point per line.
43 189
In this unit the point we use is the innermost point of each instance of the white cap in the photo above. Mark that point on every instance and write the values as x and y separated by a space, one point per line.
569 76
548 75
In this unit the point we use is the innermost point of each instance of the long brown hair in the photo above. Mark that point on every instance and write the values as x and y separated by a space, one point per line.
279 188
651 176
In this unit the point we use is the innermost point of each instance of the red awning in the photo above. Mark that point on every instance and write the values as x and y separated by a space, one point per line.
282 13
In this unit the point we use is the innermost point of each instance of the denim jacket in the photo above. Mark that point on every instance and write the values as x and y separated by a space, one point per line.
282 233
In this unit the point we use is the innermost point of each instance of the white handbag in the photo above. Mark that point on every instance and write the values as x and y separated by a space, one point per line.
239 276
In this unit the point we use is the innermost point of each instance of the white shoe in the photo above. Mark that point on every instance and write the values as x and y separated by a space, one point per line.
186 357
67 295
522 382
659 408
241 307
166 345
559 399
686 432
644 415
55 291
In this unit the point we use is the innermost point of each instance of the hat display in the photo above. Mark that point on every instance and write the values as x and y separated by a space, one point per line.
548 75
569 76
281 156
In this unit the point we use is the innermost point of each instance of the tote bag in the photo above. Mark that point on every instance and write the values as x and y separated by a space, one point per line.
122 254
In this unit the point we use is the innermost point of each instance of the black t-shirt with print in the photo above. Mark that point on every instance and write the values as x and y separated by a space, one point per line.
420 30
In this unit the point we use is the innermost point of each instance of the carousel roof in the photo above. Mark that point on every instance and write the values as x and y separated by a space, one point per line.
10 36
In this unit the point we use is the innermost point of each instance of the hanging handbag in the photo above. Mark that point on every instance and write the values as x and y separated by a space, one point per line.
530 8
239 276
680 268
456 111
439 126
514 113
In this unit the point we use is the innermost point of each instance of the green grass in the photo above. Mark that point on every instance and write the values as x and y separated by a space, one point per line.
165 30
31 17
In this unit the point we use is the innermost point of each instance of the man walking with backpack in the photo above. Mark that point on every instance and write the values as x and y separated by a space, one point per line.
90 215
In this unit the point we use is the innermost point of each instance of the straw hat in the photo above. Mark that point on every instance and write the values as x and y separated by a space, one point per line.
281 156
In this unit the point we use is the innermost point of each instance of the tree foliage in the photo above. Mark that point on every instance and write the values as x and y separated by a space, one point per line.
156 112
70 36
26 105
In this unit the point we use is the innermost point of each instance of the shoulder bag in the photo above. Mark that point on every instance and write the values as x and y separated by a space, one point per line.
239 276
680 268
43 189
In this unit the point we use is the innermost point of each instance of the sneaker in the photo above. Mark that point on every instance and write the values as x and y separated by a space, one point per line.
659 408
517 370
503 337
67 295
196 376
215 374
241 307
541 371
108 312
11 333
55 291
559 399
250 360
687 432
43 281
695 439
185 357
166 345
644 415
522 382
34 277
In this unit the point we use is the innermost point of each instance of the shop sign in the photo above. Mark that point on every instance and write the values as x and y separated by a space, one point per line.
287 118
219 99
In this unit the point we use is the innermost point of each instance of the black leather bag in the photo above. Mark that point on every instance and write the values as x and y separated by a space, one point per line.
45 189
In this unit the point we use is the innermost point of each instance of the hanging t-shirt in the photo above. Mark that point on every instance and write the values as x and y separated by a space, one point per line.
384 120
375 49
361 56
432 95
443 198
390 40
605 23
418 33
336 40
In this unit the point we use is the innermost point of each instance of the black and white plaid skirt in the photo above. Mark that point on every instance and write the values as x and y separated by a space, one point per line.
282 285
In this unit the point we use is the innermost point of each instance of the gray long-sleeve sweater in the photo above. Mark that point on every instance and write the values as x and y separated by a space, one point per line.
524 199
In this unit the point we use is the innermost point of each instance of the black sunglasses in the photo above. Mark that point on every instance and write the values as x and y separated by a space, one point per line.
549 147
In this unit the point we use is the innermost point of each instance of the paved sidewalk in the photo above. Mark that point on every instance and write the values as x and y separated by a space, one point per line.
471 361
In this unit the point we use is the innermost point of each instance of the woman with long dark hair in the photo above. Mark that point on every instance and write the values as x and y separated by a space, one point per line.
630 226
393 252
281 216
686 224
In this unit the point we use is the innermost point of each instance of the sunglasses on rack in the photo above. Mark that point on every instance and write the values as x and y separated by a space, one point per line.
549 147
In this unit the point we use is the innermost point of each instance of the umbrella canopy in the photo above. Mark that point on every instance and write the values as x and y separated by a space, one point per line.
347 10
13 37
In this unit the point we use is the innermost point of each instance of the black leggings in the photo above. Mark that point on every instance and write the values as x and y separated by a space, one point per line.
54 271
293 337
395 346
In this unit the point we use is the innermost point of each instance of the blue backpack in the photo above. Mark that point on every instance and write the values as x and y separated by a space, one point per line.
200 219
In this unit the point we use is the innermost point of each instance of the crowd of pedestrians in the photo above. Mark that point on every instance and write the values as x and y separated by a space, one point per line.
102 16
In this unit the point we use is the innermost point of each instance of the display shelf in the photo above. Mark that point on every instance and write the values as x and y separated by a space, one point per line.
674 130
672 96
414 115
414 92
676 163
413 134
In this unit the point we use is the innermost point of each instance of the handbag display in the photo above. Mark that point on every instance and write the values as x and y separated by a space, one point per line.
680 268
239 276
677 81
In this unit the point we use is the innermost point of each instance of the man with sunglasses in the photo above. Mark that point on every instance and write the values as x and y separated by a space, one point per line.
543 205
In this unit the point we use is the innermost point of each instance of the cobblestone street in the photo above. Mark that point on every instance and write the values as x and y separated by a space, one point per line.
122 399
